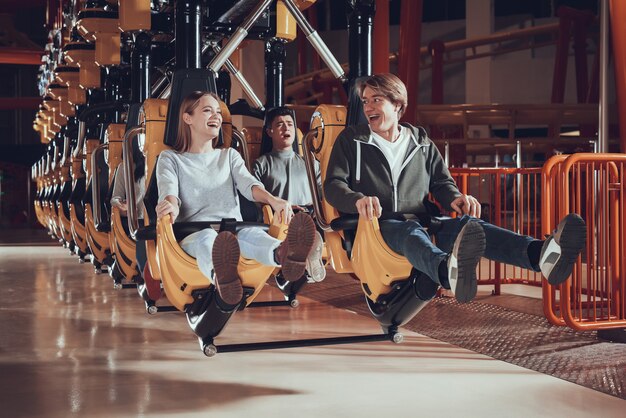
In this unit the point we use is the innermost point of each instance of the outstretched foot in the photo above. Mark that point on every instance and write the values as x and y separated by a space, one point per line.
293 251
314 263
225 261
561 249
464 258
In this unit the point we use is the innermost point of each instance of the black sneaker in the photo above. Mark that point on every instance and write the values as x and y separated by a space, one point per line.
225 261
464 258
561 249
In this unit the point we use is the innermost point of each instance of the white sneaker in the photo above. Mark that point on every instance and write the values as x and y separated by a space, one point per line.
316 271
561 249
468 248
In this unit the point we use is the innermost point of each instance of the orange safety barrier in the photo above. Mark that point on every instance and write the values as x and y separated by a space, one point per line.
511 199
593 185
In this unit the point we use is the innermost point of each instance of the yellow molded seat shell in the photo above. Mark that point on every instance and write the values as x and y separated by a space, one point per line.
79 232
181 276
108 48
153 116
120 243
68 77
373 262
122 246
89 75
98 241
65 224
134 15
376 265
79 56
89 27
76 95
330 120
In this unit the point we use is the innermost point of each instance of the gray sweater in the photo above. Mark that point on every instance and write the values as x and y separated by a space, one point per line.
283 174
205 184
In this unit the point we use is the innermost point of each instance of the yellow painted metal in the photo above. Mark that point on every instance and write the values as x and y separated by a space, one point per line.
180 273
285 22
97 241
76 95
167 261
89 75
79 232
122 246
152 118
134 15
66 78
115 136
330 120
79 56
90 27
375 264
108 46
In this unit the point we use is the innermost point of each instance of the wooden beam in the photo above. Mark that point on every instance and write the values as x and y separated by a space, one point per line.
20 56
20 103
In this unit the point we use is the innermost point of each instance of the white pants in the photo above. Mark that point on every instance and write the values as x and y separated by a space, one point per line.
254 243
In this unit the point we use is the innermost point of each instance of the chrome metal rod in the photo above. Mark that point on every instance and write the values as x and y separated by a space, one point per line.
65 160
95 184
238 37
158 84
603 108
129 184
245 86
82 129
243 145
315 40
307 143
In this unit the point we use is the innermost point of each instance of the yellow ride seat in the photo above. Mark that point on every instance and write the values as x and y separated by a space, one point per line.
79 232
177 270
65 181
372 261
98 241
122 246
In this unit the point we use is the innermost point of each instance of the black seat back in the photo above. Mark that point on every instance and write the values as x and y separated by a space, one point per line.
355 105
184 83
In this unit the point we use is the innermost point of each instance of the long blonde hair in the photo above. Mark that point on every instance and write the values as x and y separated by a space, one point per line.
188 105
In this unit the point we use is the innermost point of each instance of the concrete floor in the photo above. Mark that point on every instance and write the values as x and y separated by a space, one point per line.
70 345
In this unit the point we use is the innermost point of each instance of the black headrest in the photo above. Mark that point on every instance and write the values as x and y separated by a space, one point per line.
185 82
355 105
266 140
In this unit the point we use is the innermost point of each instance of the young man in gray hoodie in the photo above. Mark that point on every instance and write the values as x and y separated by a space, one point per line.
387 167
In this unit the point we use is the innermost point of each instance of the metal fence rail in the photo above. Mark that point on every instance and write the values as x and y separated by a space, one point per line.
510 198
593 185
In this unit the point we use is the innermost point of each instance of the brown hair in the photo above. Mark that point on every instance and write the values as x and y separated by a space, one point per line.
390 86
188 105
